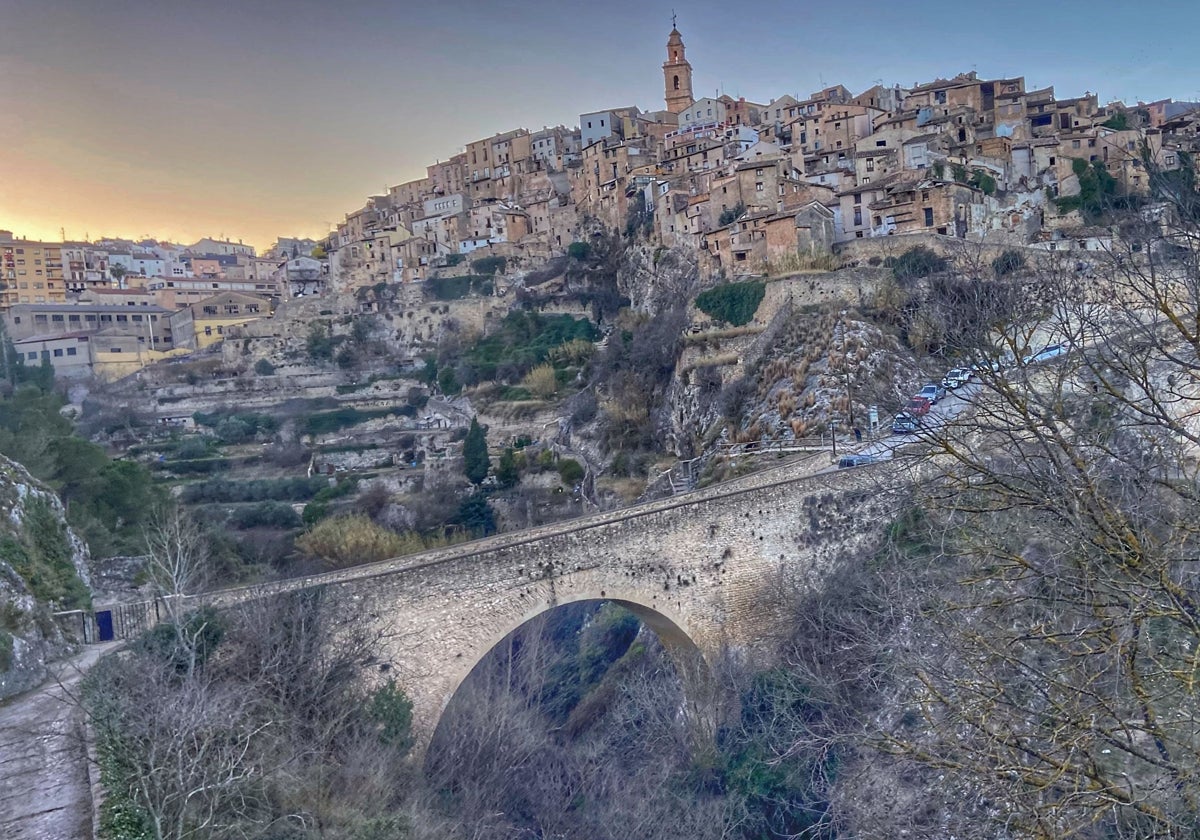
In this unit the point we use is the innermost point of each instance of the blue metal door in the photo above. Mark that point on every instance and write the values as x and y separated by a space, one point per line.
104 625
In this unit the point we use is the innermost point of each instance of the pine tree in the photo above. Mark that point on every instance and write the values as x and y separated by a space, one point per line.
475 453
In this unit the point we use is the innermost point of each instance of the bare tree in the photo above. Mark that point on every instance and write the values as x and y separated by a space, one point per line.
1056 673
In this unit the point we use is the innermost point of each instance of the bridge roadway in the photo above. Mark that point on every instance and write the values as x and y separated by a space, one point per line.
701 569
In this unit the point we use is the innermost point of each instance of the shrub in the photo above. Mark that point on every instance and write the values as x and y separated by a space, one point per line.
199 466
43 558
319 343
204 628
488 265
731 215
542 381
983 182
579 250
344 541
263 367
732 303
522 341
455 259
190 448
475 515
259 490
265 515
507 473
455 288
570 471
232 427
447 380
1008 262
916 263
573 352
326 422
391 710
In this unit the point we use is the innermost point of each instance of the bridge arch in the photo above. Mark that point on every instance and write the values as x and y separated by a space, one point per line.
687 655
671 629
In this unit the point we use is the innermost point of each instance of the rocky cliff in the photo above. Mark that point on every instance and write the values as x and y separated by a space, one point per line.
43 569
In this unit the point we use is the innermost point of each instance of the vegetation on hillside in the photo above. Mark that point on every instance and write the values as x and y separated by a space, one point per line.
732 303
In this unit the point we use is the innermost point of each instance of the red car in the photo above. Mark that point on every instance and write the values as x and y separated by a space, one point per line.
918 406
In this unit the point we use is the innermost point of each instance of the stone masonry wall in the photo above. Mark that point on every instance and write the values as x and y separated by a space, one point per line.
701 568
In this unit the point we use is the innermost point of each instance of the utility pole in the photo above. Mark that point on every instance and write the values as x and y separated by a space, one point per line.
846 367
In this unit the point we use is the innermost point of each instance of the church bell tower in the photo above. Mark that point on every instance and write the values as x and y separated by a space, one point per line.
677 73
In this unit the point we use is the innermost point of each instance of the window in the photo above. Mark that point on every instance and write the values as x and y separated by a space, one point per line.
71 351
870 164
1074 144
1169 160
857 216
56 319
928 217
114 349
858 198
58 351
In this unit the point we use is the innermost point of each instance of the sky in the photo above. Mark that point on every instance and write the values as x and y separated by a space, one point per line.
252 119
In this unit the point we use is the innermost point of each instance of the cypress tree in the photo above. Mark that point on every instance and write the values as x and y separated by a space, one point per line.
475 453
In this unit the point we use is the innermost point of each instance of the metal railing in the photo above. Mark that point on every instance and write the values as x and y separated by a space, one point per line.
111 623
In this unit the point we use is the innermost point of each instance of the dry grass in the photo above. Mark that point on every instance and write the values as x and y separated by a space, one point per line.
344 541
795 263
627 489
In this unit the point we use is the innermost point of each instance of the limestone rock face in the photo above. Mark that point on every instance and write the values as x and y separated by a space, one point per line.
656 279
40 557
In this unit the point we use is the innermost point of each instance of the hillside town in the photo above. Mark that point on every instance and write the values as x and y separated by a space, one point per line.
818 466
748 186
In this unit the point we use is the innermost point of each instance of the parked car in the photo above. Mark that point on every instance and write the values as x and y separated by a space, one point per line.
932 392
905 424
956 378
993 365
848 461
918 406
1046 354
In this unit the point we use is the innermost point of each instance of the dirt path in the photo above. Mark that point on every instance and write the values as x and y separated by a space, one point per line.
44 792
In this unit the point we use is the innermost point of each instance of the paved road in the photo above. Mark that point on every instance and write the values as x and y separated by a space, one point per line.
44 792
948 408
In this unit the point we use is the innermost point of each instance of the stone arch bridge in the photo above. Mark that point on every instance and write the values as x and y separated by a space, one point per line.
700 569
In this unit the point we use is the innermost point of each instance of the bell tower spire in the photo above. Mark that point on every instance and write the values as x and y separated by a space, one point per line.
677 72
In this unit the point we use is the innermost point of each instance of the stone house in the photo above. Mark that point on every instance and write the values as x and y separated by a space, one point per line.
206 322
925 205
